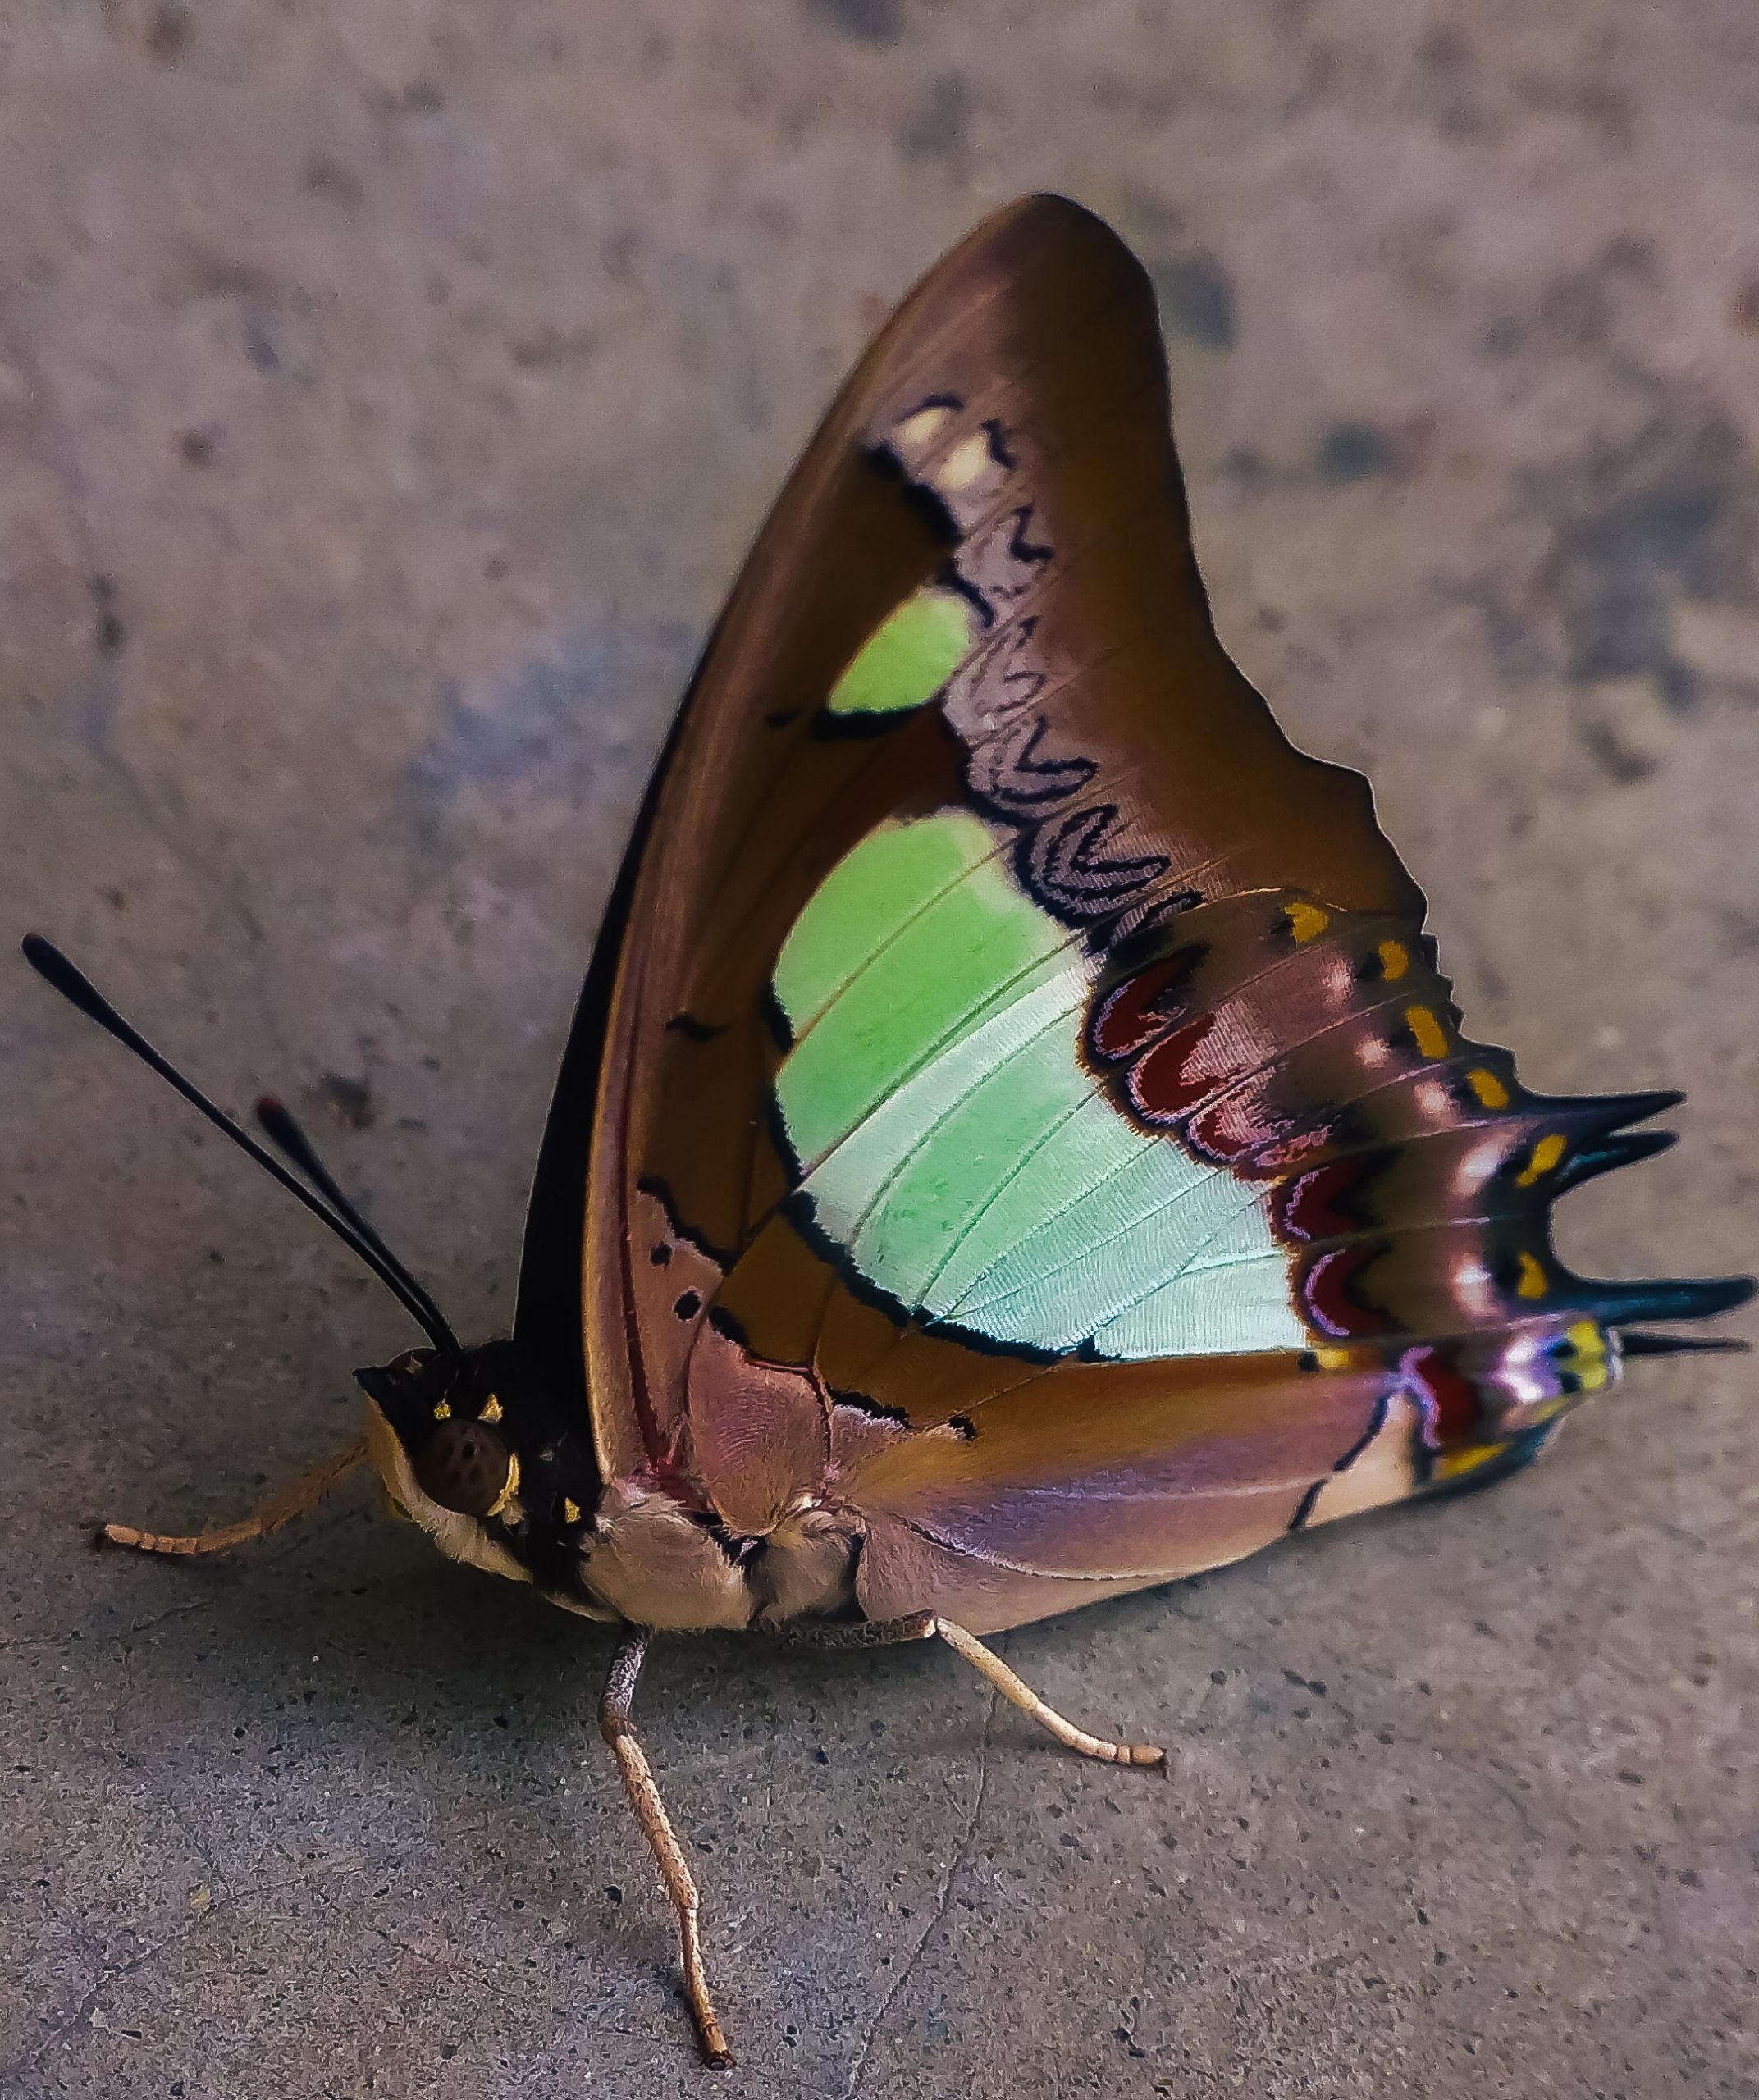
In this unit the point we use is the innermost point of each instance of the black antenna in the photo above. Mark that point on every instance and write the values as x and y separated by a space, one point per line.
54 968
277 1123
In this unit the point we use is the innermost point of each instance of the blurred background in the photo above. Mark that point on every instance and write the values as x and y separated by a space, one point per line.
387 396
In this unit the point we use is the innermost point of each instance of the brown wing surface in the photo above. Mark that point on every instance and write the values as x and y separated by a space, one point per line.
1001 1021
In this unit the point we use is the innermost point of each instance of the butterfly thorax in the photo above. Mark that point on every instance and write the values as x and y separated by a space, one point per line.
475 1451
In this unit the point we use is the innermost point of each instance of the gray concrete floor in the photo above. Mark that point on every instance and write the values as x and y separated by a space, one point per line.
386 396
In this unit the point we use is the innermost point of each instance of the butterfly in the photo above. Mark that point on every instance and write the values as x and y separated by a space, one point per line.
1015 1144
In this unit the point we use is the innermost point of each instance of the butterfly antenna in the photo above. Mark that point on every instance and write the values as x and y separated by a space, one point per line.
289 1140
54 968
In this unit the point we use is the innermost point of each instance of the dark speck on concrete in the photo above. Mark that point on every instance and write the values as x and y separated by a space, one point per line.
1503 338
350 1102
109 631
1618 760
1246 468
1660 518
327 177
418 98
869 22
257 347
1578 311
1452 78
549 345
196 447
937 130
1197 300
1354 451
541 720
169 30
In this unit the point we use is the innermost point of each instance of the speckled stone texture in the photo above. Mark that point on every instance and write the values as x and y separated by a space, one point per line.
387 393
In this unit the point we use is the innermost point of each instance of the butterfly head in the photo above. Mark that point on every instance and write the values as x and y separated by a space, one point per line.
451 1427
469 1445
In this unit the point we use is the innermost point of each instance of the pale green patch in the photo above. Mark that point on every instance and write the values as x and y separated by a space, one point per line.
896 955
954 1144
908 657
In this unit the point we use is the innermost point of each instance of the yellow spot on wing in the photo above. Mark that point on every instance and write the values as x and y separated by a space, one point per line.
442 1411
1307 922
1530 1283
490 1409
1431 1038
1395 960
570 1510
1593 1367
1467 1459
1489 1089
1543 1158
1332 1359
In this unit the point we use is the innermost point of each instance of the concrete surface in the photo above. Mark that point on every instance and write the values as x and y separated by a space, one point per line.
386 396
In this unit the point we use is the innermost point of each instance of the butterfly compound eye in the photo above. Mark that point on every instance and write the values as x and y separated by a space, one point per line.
463 1466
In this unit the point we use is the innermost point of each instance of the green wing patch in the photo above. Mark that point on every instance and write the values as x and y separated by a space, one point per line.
951 1143
908 657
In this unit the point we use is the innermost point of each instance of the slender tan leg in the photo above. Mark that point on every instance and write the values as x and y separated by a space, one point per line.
1014 1688
619 1731
926 1626
292 1501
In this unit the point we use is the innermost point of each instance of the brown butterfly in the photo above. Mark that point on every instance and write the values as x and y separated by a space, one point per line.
1015 1145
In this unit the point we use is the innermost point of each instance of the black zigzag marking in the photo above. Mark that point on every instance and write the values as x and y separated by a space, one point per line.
1063 862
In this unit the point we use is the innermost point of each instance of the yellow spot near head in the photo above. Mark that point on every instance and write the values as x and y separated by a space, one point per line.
1431 1038
924 427
1540 1160
570 1510
1489 1089
1307 922
1530 1281
490 1409
1395 960
1467 1460
968 458
509 1486
442 1410
1332 1359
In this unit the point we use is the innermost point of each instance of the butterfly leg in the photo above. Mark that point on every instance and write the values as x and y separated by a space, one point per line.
292 1501
1014 1688
619 1731
928 1626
